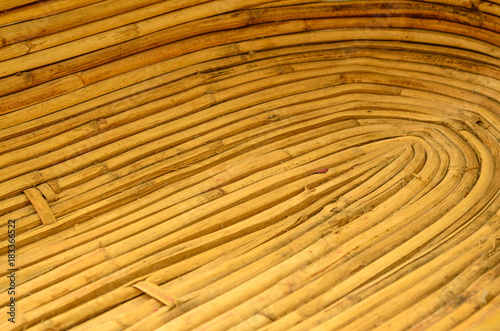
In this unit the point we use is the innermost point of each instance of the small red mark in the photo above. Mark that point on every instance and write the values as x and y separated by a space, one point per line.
321 171
260 299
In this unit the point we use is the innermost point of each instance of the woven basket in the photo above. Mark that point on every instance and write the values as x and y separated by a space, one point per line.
250 164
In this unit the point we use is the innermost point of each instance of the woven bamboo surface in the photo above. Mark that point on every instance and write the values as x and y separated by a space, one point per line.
250 164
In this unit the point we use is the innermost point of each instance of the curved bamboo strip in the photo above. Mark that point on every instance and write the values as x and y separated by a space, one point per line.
244 165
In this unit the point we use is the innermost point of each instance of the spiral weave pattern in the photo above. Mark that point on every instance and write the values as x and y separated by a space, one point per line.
251 164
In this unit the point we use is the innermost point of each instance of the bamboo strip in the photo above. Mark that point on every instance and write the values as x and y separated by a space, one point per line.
38 10
253 47
244 259
485 319
447 291
373 9
131 100
193 313
301 196
49 90
67 20
111 122
145 11
78 313
267 314
271 164
9 4
7 205
105 56
41 206
156 292
441 260
312 27
196 281
486 171
380 64
198 103
453 266
128 32
263 137
196 260
47 192
128 247
471 300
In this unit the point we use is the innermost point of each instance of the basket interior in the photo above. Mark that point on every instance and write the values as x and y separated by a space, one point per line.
250 164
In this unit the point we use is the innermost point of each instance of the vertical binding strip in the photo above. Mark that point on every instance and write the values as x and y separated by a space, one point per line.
47 192
158 293
41 206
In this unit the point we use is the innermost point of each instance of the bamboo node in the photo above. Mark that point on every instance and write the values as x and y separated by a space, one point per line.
214 194
416 176
485 297
103 124
54 185
212 95
81 77
30 77
496 244
285 70
270 318
465 169
37 177
273 117
257 14
41 206
339 205
28 45
287 152
158 293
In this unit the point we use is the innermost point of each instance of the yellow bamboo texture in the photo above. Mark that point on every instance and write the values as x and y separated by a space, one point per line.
243 165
